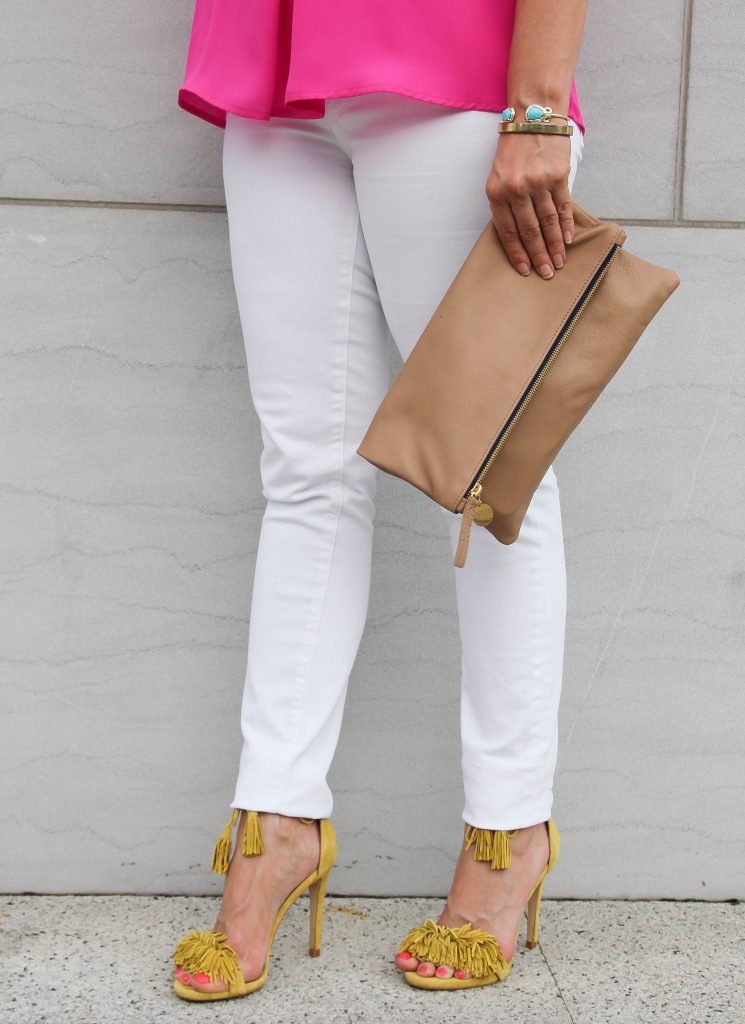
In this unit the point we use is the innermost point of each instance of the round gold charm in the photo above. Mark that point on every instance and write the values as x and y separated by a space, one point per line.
484 514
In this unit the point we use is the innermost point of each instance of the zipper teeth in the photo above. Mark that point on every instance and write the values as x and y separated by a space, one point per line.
536 383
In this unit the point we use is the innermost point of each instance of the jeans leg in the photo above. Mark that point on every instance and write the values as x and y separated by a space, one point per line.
317 356
421 171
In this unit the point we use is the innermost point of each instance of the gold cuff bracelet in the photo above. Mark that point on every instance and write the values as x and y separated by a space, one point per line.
537 127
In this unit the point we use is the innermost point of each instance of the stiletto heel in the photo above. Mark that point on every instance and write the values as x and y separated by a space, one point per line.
210 954
317 892
534 903
467 949
534 910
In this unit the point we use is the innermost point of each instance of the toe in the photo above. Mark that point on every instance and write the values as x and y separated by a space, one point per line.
406 962
426 970
201 983
444 972
462 975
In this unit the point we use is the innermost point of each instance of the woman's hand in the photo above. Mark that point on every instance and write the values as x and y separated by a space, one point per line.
528 192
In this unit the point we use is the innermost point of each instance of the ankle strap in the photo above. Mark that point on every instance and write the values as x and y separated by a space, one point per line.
253 840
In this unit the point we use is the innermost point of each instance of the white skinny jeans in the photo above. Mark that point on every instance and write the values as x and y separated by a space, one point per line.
342 229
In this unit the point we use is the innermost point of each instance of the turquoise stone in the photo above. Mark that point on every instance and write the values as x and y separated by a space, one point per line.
535 112
508 114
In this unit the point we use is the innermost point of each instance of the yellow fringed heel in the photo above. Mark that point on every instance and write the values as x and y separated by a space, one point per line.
208 952
469 950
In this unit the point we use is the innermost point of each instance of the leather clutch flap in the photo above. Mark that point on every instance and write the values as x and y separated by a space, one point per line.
505 370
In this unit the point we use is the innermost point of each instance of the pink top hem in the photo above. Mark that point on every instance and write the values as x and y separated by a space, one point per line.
213 110
284 58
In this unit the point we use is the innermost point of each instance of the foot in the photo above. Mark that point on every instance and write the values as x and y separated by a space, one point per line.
256 887
493 900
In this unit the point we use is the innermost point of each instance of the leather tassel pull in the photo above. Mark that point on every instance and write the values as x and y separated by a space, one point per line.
222 850
461 551
253 840
490 844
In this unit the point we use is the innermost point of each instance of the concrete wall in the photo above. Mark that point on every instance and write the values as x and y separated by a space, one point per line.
131 499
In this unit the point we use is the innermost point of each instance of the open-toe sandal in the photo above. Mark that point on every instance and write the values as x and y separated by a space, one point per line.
470 950
208 952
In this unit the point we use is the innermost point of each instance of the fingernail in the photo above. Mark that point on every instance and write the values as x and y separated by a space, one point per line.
568 237
558 260
523 268
546 271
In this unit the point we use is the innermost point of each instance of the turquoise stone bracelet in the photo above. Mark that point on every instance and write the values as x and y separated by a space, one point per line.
535 112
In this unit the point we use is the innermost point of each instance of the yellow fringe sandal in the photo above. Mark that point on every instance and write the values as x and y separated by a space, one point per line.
208 952
470 950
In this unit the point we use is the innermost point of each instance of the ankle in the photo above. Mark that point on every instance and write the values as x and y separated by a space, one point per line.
286 834
498 846
527 837
279 829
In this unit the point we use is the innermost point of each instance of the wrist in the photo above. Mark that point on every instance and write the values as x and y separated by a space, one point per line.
521 99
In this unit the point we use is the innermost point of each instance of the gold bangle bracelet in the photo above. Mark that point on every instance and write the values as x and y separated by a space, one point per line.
537 127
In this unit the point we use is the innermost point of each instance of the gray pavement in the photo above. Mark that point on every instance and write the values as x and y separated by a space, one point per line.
101 959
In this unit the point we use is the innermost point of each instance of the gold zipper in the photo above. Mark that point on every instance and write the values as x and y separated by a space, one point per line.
475 489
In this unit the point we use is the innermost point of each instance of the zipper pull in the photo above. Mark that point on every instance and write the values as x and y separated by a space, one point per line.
472 503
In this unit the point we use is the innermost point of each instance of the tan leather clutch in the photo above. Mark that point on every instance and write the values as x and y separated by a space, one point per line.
505 370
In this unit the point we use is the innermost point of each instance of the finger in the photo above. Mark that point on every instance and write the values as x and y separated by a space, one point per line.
509 236
563 203
531 235
548 218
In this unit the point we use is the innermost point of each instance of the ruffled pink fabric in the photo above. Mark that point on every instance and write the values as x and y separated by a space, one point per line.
283 58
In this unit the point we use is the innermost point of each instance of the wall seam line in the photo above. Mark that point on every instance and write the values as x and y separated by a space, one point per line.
685 72
651 222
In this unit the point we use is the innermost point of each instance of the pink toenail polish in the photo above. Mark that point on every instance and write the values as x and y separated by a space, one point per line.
421 969
202 978
460 975
441 971
184 976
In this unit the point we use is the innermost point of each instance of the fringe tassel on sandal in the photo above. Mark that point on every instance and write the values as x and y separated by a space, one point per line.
253 841
491 844
222 850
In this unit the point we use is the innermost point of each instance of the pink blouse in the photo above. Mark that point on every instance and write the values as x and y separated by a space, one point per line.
283 58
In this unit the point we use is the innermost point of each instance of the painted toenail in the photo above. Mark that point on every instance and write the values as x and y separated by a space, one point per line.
422 969
184 976
441 971
202 978
460 975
